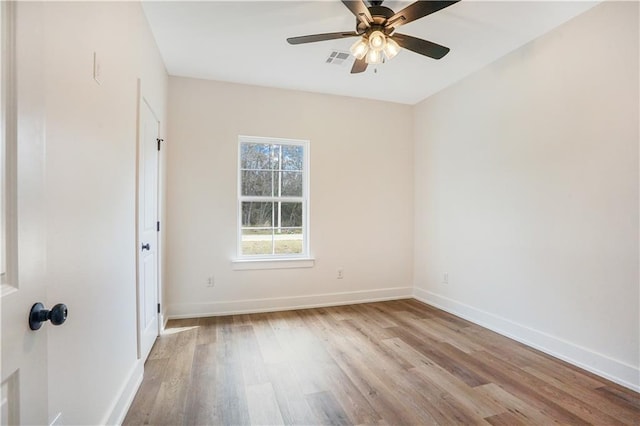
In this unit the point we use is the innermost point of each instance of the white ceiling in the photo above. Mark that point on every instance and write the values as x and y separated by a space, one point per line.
245 42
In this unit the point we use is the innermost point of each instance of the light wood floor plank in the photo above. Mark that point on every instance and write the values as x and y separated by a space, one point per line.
385 363
437 377
294 408
202 390
524 412
263 406
169 407
146 397
326 409
581 409
586 396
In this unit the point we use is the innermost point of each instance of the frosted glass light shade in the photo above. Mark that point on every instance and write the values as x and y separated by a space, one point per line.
391 49
377 40
374 57
359 48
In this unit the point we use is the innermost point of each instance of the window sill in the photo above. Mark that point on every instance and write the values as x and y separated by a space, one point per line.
286 263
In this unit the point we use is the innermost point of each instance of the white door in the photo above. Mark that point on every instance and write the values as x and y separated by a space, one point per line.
148 228
22 243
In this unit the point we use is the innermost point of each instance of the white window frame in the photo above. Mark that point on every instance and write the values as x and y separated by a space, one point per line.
283 260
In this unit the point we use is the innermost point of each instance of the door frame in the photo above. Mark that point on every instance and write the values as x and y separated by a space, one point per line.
142 101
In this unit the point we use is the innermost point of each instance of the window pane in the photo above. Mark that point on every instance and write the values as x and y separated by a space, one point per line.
288 241
257 214
257 241
258 156
257 183
291 214
272 171
291 184
292 157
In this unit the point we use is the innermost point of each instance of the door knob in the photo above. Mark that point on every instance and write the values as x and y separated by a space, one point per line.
57 315
146 247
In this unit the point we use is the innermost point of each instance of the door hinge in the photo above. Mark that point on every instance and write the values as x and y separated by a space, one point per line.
158 226
159 142
158 308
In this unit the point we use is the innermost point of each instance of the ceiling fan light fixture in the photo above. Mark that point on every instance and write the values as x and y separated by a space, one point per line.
359 48
391 49
374 57
377 40
375 27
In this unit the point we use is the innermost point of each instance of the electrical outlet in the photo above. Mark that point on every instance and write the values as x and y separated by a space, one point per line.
211 281
340 273
445 278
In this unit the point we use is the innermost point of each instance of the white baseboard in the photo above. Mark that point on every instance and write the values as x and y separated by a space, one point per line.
193 310
602 365
163 320
122 402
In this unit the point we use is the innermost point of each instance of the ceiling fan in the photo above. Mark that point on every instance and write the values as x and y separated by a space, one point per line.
376 25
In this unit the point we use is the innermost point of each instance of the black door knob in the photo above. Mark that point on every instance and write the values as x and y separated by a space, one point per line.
146 247
38 314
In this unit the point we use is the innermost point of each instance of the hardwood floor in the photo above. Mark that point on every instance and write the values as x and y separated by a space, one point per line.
395 363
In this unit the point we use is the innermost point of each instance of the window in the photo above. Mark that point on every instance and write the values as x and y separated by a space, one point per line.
273 196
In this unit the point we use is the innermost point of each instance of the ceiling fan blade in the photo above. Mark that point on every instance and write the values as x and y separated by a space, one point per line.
417 10
418 45
360 65
360 10
320 37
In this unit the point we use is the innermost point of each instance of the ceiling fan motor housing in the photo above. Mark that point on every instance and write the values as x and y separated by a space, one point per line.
380 14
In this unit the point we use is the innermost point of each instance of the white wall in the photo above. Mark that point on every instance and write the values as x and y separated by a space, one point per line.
360 197
91 183
526 193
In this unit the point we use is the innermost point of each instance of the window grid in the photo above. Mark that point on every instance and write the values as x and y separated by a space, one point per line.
281 232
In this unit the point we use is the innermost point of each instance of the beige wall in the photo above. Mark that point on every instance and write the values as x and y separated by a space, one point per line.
526 193
361 208
91 184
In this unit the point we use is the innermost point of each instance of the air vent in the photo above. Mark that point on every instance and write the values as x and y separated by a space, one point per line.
337 58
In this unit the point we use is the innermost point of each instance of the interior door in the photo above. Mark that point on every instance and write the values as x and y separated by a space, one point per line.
22 243
148 228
